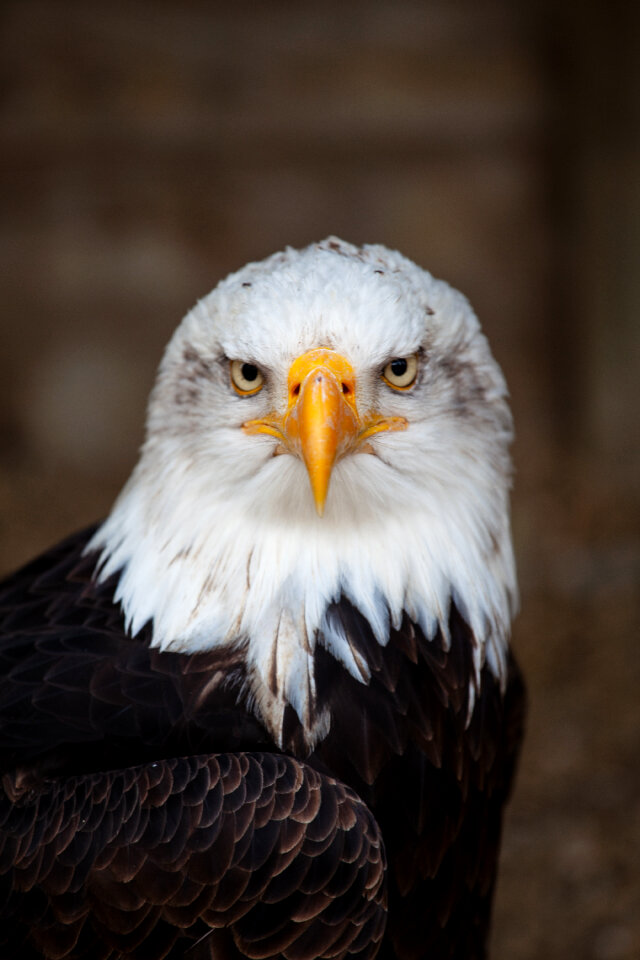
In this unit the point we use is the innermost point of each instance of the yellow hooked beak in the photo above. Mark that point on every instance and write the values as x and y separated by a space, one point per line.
321 423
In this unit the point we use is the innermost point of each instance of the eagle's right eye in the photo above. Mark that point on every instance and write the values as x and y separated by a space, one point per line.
246 378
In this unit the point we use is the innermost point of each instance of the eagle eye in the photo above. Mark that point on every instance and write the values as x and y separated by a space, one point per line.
401 372
246 378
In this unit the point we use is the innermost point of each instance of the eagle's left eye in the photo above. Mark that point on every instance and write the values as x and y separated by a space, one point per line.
245 377
401 372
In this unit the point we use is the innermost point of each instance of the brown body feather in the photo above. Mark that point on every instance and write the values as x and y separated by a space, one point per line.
255 853
146 813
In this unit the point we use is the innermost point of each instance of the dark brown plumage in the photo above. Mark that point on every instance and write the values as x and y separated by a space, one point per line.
246 852
128 829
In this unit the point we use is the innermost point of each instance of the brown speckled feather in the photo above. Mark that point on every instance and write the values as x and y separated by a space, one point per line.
111 847
164 853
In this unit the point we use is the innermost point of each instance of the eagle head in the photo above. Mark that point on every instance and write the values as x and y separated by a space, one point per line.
327 423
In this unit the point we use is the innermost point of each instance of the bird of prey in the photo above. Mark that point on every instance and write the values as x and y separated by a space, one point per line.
268 708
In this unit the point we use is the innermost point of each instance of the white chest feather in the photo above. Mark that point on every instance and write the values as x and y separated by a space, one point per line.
261 572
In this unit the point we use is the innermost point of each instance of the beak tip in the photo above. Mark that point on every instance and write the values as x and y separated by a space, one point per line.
319 491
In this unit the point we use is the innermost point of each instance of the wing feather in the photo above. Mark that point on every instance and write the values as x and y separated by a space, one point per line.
161 873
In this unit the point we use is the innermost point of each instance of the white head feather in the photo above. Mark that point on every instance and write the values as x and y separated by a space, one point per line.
217 541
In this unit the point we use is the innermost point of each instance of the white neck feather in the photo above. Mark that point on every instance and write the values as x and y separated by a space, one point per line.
261 569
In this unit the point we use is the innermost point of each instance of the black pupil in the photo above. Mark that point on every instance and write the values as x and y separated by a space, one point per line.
249 371
398 367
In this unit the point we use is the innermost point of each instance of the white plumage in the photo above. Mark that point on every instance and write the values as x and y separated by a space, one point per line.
216 533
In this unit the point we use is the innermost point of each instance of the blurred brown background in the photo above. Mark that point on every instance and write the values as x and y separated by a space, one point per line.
147 148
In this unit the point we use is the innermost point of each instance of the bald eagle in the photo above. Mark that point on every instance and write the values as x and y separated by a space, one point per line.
267 708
